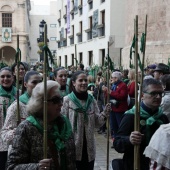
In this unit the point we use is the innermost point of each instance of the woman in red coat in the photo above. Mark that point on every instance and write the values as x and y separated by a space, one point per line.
118 98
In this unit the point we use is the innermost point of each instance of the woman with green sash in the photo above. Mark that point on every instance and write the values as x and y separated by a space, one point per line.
61 77
31 79
27 145
7 96
83 112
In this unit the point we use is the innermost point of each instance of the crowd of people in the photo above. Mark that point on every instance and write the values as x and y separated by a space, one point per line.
77 104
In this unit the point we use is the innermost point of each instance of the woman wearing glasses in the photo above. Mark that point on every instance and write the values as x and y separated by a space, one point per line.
7 96
27 145
82 110
31 79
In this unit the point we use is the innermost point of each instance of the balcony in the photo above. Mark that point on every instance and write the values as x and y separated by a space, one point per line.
79 37
65 42
101 30
89 33
71 39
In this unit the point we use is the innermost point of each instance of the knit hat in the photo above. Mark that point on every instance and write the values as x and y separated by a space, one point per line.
117 74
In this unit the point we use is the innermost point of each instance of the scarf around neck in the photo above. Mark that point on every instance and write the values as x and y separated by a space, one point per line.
24 98
11 95
150 119
80 108
59 137
114 86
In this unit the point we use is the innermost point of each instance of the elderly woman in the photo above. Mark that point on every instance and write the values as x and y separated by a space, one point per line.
27 146
118 97
31 79
82 110
7 96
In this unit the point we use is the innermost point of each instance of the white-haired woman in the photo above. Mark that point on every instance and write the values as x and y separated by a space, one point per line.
27 146
118 97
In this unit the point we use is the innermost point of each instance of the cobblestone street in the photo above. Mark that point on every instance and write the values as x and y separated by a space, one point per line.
101 152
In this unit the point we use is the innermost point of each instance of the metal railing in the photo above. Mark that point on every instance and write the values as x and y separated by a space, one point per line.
101 31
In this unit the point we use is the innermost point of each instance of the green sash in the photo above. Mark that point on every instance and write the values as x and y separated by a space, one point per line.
150 119
80 108
59 138
10 95
24 98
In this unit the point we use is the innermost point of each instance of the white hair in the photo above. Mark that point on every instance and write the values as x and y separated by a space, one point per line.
35 104
117 74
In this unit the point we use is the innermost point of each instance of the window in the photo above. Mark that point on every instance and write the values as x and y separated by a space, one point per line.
101 28
103 56
53 38
6 20
53 25
72 59
102 1
89 32
90 58
90 4
65 61
81 57
59 61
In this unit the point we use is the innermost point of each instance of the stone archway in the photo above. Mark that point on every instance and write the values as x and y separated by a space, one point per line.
7 55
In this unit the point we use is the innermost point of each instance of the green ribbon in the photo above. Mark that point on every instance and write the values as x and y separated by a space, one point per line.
59 138
80 108
150 119
48 53
10 95
24 98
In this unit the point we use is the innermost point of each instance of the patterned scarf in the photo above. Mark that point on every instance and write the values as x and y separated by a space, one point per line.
80 108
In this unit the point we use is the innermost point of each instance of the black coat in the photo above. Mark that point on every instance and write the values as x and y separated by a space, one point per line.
122 143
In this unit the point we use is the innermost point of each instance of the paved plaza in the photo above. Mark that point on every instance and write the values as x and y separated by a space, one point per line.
101 152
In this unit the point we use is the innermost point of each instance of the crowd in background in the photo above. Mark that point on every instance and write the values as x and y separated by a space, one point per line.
77 105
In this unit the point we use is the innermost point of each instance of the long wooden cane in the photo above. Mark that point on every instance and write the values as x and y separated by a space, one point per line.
45 96
17 81
108 119
137 114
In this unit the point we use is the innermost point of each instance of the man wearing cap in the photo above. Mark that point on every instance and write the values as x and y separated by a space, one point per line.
149 70
160 70
151 117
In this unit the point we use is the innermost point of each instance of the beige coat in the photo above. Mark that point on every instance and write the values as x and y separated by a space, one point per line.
95 119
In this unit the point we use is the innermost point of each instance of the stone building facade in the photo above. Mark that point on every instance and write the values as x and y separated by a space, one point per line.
158 34
14 16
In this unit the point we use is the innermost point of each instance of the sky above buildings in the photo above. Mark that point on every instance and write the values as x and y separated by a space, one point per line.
41 2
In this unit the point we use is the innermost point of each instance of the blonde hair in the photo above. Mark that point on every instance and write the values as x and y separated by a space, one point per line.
35 104
132 74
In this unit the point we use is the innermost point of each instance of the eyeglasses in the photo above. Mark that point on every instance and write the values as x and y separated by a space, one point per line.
156 93
7 76
56 100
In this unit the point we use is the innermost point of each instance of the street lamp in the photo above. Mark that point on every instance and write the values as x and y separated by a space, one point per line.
40 40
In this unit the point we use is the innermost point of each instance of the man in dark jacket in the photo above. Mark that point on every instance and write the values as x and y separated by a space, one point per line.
151 117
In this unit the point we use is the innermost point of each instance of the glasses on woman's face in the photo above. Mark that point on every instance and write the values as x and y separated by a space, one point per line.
7 76
56 100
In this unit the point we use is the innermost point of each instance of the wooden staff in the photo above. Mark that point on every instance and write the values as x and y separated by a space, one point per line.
45 96
17 81
137 114
108 100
